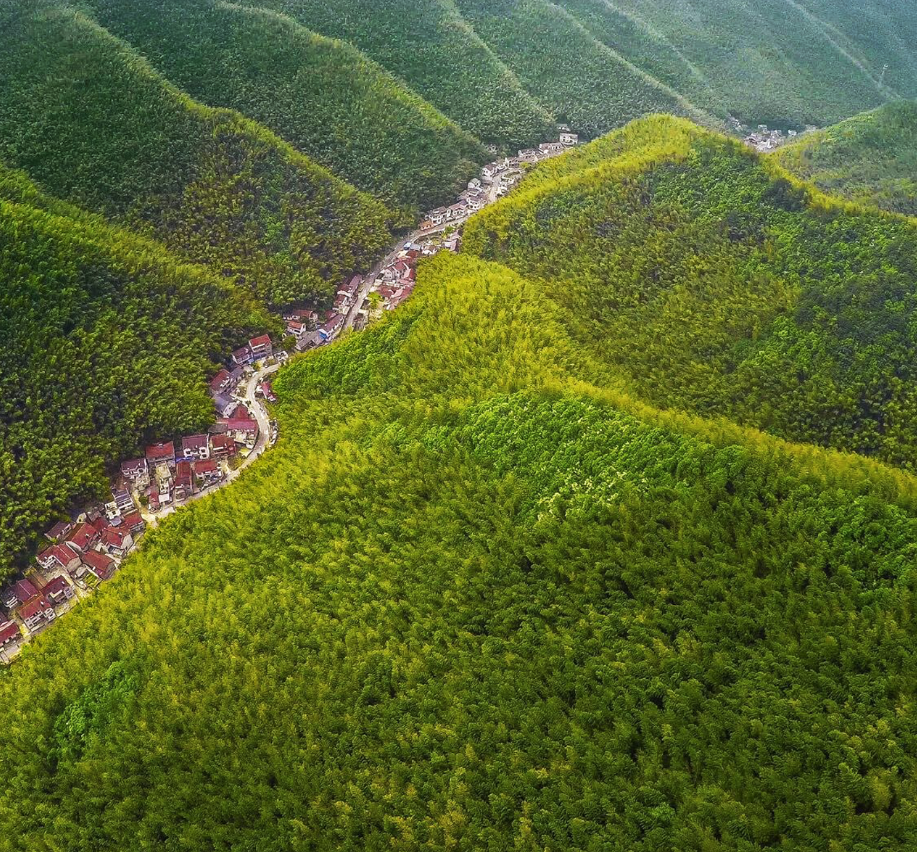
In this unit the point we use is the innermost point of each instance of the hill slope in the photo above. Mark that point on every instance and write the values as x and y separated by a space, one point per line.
92 123
870 158
323 97
715 285
107 342
439 55
469 603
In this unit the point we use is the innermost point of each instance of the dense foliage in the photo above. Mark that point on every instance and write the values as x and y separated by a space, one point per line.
107 343
94 124
714 284
439 55
323 97
870 159
467 603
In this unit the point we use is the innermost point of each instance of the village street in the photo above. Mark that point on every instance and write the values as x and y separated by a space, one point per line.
256 406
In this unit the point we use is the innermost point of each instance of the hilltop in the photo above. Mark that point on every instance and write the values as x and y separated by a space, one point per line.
94 124
107 339
472 597
870 158
710 282
324 97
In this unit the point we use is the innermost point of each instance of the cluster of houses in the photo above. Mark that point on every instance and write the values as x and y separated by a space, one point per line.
311 329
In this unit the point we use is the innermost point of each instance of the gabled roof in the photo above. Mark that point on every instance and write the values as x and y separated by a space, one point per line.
158 452
195 442
206 466
223 442
9 630
263 340
83 536
56 586
62 555
241 424
58 531
99 561
134 520
112 538
33 607
24 590
217 381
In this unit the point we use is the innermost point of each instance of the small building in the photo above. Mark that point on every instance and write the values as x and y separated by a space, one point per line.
184 480
153 499
457 210
309 341
135 469
59 531
9 632
568 138
261 347
267 391
220 382
122 500
243 430
331 327
439 216
134 523
551 148
20 592
242 356
100 565
222 446
223 404
58 556
157 454
36 613
208 470
474 183
58 591
83 537
115 542
195 447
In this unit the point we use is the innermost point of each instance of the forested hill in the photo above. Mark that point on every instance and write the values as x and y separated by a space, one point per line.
93 123
323 97
710 282
107 342
870 158
597 64
471 601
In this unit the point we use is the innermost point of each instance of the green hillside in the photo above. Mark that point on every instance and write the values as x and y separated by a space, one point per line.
91 122
580 80
470 602
439 55
323 97
870 159
711 283
108 340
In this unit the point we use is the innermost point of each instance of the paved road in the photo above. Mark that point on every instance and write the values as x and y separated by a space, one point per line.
256 406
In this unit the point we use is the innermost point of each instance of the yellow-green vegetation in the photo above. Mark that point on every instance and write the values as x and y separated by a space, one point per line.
94 124
712 283
323 97
431 47
107 342
870 158
473 600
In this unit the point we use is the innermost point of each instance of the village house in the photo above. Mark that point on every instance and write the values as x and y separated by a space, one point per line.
113 541
309 341
135 523
161 454
438 216
261 347
223 404
341 302
242 356
529 155
306 316
208 470
100 565
222 446
221 382
58 556
59 531
296 328
153 499
457 210
550 148
184 480
36 613
20 592
331 327
136 471
83 537
474 183
58 591
352 287
568 138
122 500
195 447
9 632
267 391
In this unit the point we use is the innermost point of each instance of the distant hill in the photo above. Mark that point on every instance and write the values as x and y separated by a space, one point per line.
89 120
107 342
431 47
870 158
711 283
323 97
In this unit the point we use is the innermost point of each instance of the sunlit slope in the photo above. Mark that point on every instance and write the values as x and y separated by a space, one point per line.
325 98
468 600
716 285
108 340
89 120
870 158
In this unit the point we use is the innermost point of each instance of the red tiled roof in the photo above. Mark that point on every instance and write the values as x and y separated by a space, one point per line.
160 451
63 555
99 562
263 340
223 442
194 442
206 466
134 520
217 381
241 424
24 590
9 630
59 530
57 584
183 468
112 538
33 606
83 536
